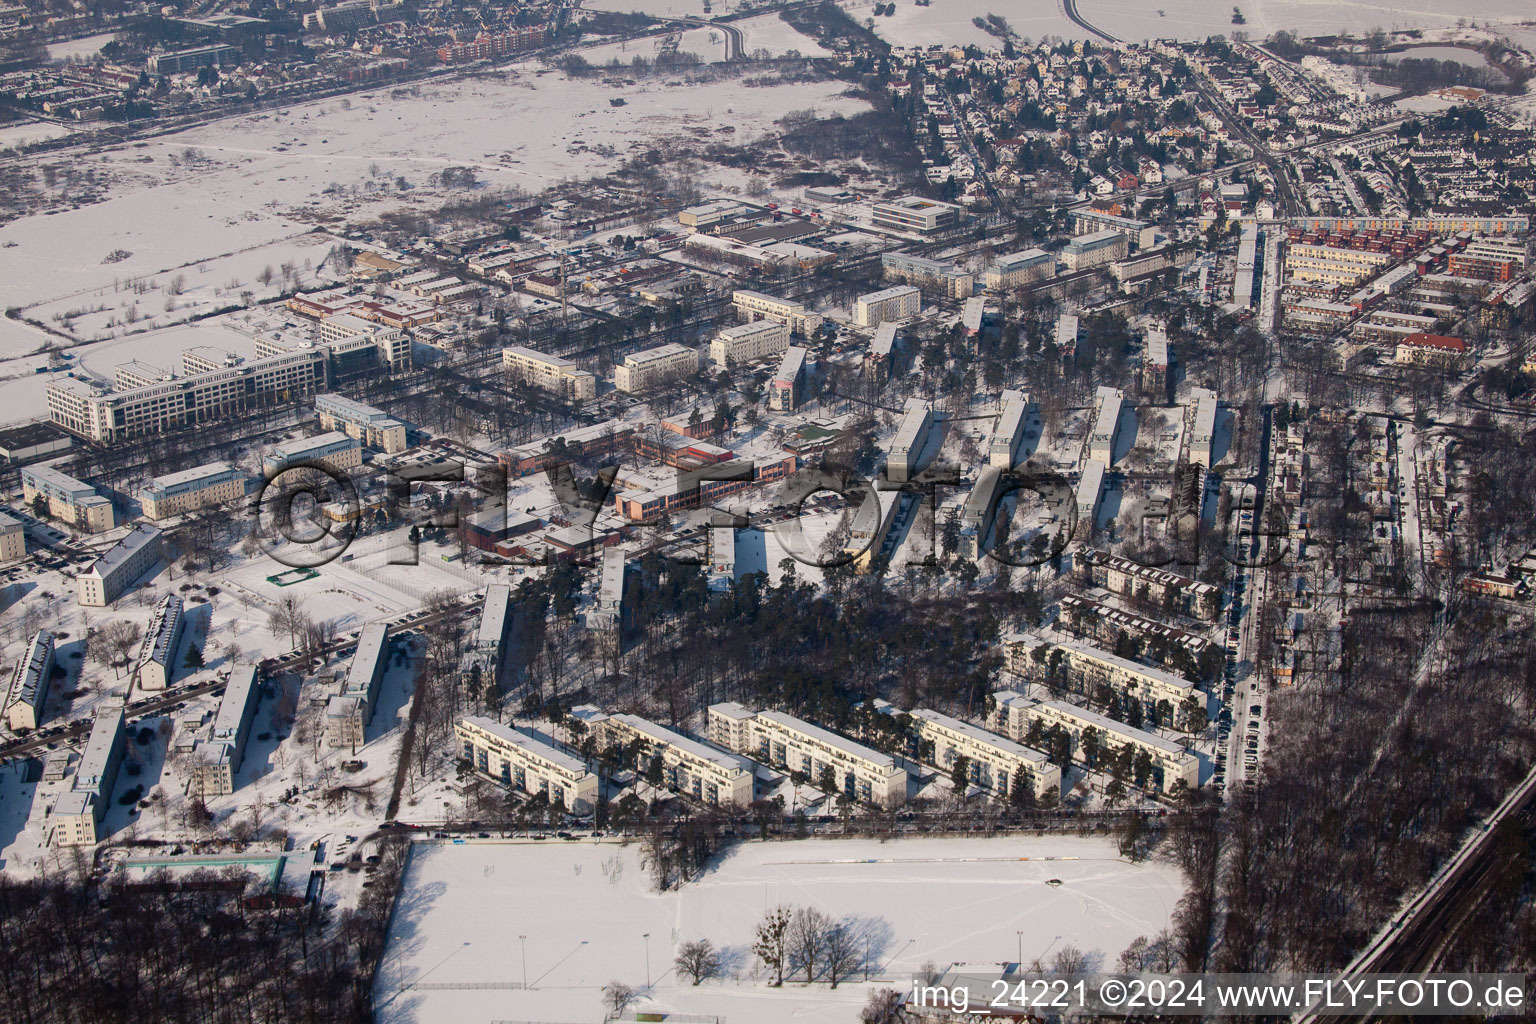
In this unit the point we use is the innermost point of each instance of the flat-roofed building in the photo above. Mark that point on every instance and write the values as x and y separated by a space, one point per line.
156 665
31 441
1083 668
1018 269
914 213
1124 577
1154 366
750 305
882 349
785 742
348 714
722 557
979 512
1093 250
77 815
1325 264
608 612
699 770
333 450
374 427
1202 430
895 303
1008 433
787 387
1144 235
26 699
907 446
550 373
217 483
944 279
106 578
1090 492
486 652
216 760
973 315
1168 766
643 370
528 763
1108 404
1066 335
747 343
13 539
995 763
69 500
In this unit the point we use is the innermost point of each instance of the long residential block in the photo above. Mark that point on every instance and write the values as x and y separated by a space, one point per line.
528 763
27 697
785 742
156 667
104 580
216 760
1172 764
696 769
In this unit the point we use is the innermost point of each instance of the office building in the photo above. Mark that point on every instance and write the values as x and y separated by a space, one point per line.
1083 669
995 763
895 303
486 653
156 666
1019 269
333 450
747 343
555 374
787 388
784 742
1108 404
1169 766
105 579
689 767
1202 430
77 815
527 762
1094 250
943 279
217 483
26 700
13 539
373 427
69 500
906 451
641 371
108 416
1177 593
1008 433
216 760
916 214
348 714
751 306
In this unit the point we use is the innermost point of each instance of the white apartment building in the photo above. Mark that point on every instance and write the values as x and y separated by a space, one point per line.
13 539
1202 433
995 761
608 612
747 343
1172 764
787 387
550 373
216 760
907 446
689 767
1090 492
76 818
487 651
69 500
1326 264
1093 250
1108 404
643 370
111 574
787 743
750 305
914 213
26 699
1125 577
894 303
373 427
333 450
1008 433
347 714
156 666
1084 667
527 762
1018 269
217 483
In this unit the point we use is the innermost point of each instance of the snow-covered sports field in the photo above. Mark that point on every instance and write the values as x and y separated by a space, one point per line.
585 907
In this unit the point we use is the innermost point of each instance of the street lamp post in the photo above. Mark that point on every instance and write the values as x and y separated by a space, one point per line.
647 938
1020 934
523 939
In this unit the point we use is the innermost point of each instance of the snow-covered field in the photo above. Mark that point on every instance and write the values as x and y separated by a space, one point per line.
22 133
772 33
585 908
949 22
1196 19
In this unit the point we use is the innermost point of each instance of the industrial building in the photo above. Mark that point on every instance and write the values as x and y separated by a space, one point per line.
156 665
1108 404
1008 433
747 343
1019 269
217 483
1126 578
943 279
1171 764
1094 250
694 769
26 700
555 374
914 213
348 714
216 760
1083 668
789 744
643 370
373 427
77 815
787 388
527 762
334 451
895 303
907 446
111 574
69 500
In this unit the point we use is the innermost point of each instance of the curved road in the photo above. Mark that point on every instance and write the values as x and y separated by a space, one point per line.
1069 8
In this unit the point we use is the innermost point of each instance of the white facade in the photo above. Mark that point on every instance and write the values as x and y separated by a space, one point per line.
1108 403
1008 433
107 577
747 343
642 370
785 742
994 761
1173 763
549 373
156 667
897 303
527 762
910 440
689 767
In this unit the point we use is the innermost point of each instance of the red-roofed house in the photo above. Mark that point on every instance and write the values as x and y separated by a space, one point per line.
1432 350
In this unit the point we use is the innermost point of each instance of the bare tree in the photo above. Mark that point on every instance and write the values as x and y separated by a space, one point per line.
808 940
616 996
841 950
697 960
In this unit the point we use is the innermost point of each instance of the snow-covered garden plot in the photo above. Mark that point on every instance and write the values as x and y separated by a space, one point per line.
585 908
